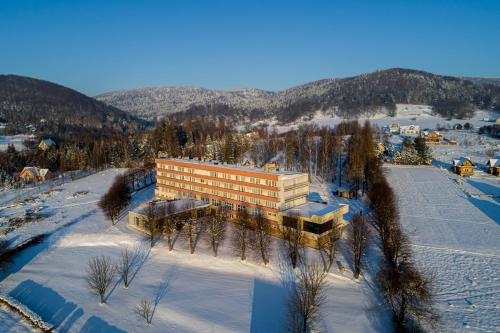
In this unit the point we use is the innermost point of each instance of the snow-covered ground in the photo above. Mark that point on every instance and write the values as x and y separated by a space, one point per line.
193 293
16 140
455 231
13 322
406 114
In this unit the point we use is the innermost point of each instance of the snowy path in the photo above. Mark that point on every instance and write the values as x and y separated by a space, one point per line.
457 241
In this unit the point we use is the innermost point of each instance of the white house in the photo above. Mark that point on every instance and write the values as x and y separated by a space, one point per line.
411 130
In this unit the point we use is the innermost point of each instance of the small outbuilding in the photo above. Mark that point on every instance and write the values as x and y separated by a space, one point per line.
463 167
34 174
345 192
493 165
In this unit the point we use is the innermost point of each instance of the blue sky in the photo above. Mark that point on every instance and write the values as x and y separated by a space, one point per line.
98 46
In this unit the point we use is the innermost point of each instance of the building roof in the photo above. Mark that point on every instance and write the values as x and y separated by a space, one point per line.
232 166
493 162
461 161
36 171
310 209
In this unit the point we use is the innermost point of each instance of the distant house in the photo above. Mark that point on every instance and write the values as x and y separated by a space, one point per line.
394 128
45 144
463 167
35 174
433 137
493 165
410 130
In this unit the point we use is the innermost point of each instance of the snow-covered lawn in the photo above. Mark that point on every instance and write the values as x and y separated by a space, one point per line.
455 232
193 293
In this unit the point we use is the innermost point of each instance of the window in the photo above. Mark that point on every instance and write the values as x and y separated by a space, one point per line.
317 228
290 222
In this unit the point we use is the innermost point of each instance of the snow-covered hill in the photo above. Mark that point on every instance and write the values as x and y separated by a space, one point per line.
347 97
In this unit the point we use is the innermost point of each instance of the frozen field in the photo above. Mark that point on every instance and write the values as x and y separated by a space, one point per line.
455 232
193 293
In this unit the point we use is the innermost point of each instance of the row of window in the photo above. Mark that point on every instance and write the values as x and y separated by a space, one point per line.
217 202
224 194
259 191
216 174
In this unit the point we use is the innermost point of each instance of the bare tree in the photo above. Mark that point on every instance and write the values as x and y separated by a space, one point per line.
126 264
100 275
410 297
359 241
263 236
217 228
242 235
151 225
116 199
144 310
190 228
293 243
328 245
306 297
170 225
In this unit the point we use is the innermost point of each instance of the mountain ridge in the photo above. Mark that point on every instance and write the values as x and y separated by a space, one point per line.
350 96
27 101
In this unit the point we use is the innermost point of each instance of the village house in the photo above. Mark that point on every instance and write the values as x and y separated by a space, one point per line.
463 167
45 144
34 174
394 128
493 165
410 130
433 137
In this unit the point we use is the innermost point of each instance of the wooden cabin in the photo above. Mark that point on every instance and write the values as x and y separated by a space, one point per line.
433 138
34 174
493 165
463 167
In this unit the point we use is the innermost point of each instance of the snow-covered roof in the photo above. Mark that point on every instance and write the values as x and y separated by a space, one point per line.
232 166
461 161
310 209
493 162
48 142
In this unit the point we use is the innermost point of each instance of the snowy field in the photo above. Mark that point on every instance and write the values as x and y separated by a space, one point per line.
455 232
192 293
16 140
406 114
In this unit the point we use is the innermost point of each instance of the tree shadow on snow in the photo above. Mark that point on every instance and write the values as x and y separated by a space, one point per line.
268 307
48 304
97 325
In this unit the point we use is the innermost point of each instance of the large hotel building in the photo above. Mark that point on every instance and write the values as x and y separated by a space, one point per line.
281 196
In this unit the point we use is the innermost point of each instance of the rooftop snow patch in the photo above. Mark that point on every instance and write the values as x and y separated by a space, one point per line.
310 209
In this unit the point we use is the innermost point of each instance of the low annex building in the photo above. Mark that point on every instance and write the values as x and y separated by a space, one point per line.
463 167
274 193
